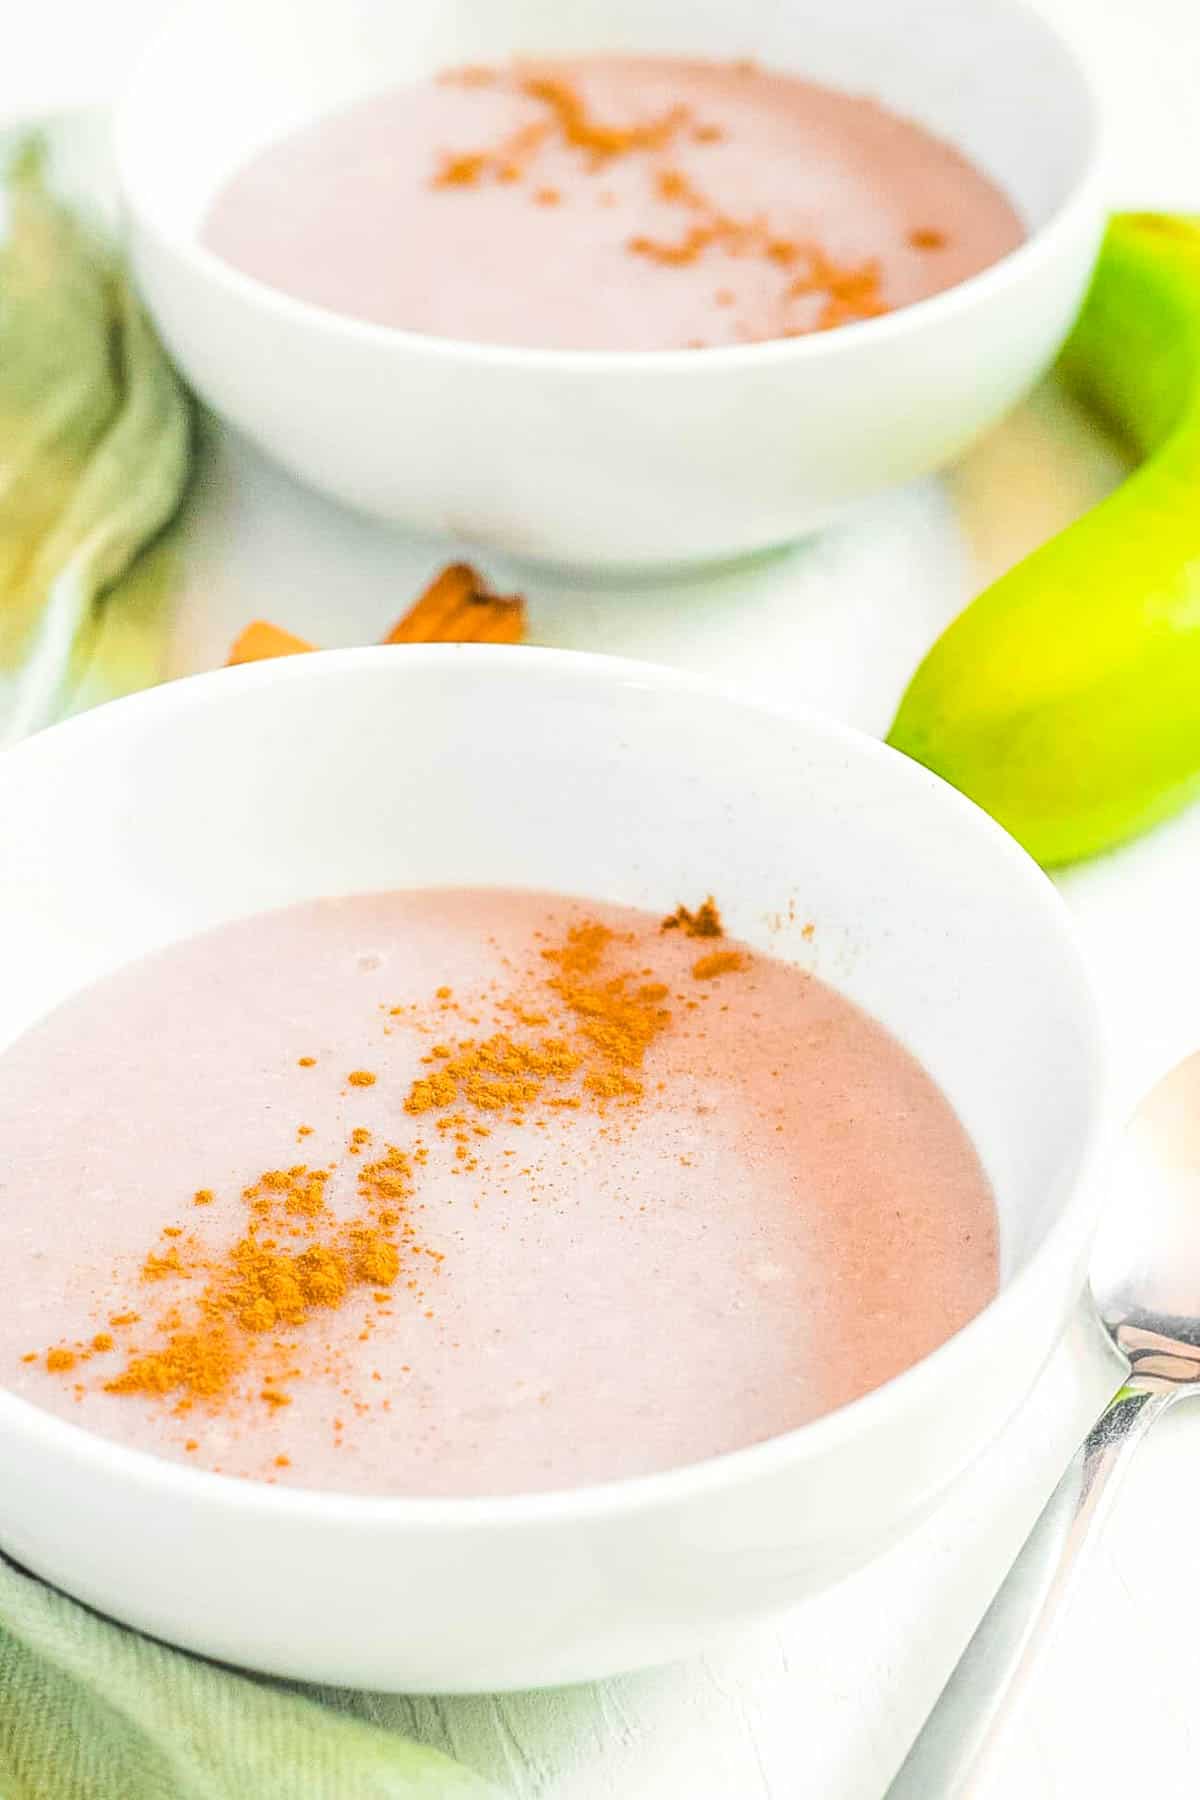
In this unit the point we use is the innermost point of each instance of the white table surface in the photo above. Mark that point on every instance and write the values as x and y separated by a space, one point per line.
822 1702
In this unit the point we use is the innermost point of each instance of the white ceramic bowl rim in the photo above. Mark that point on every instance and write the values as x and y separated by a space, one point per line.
639 1493
1040 246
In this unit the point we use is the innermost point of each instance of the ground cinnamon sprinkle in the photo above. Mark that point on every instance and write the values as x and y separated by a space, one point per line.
601 142
256 1286
614 1021
705 922
849 292
461 171
496 1075
718 962
157 1268
569 122
238 1314
469 75
618 1018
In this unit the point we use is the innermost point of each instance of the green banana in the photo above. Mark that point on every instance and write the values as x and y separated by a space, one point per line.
1065 700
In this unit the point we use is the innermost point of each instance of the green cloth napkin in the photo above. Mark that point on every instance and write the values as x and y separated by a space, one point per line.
95 457
89 1711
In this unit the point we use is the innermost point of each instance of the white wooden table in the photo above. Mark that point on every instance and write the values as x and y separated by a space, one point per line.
821 1702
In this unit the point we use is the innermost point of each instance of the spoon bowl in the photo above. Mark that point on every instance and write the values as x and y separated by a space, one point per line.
1145 1272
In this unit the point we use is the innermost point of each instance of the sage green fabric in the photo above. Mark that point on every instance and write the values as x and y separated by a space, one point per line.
95 455
89 1711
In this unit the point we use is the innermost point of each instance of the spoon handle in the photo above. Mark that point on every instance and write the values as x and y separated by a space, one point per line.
958 1740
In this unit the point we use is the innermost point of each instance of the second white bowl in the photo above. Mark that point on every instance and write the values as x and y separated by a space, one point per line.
594 457
367 769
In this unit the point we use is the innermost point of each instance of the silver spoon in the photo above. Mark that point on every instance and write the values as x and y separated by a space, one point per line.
1145 1282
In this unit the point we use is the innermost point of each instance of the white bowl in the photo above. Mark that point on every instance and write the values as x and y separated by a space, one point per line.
365 769
594 457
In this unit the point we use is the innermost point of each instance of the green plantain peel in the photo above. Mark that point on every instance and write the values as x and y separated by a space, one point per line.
1066 699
